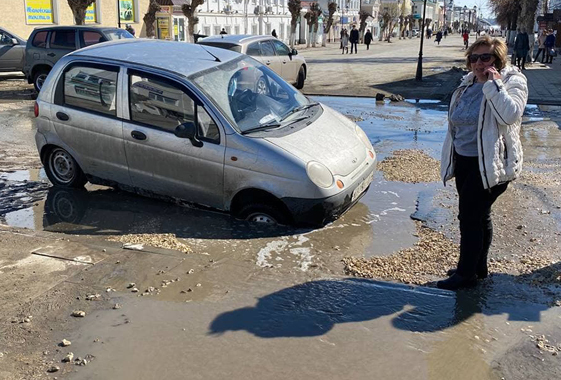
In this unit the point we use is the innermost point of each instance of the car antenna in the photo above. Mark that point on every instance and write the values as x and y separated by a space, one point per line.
215 57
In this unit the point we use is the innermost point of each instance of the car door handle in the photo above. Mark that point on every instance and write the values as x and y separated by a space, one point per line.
51 54
138 135
267 62
62 116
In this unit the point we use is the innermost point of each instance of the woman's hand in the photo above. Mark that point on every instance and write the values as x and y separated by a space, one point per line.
492 73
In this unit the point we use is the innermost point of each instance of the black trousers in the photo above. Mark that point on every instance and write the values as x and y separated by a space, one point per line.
542 51
476 227
354 44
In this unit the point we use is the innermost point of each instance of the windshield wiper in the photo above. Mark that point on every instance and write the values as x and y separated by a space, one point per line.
300 108
263 127
273 125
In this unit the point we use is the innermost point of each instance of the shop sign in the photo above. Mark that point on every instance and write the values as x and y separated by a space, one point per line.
126 10
91 13
165 9
39 11
163 28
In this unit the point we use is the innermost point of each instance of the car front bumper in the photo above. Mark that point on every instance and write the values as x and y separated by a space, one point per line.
320 211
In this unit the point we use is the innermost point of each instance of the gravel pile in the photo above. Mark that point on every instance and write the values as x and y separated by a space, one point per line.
410 165
167 241
430 257
434 254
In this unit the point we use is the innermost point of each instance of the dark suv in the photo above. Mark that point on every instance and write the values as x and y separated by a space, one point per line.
46 46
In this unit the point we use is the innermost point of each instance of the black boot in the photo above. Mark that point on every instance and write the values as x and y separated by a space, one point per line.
481 273
456 282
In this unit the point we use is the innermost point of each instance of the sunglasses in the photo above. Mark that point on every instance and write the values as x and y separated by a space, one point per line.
484 57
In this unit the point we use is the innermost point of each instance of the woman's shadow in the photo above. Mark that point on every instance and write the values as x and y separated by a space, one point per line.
314 308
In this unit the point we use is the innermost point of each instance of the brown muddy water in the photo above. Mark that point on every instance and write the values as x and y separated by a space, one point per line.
253 302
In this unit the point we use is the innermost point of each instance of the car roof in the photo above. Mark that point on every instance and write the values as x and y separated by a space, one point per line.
180 57
75 27
239 39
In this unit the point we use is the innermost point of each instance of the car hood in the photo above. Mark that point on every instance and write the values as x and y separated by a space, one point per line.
331 140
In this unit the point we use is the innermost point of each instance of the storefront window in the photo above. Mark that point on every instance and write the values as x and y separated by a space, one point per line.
163 28
179 28
127 10
39 12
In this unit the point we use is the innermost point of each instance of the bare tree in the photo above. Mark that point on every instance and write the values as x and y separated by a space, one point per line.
78 8
363 17
189 11
331 8
311 17
150 17
295 7
390 16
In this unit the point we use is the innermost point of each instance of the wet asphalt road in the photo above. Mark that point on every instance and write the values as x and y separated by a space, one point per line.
272 303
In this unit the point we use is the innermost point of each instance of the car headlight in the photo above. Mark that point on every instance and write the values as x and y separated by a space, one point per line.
365 140
319 174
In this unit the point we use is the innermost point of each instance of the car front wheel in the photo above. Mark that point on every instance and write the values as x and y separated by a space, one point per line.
301 78
63 170
263 213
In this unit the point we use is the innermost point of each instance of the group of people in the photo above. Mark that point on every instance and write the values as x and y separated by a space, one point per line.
353 38
546 47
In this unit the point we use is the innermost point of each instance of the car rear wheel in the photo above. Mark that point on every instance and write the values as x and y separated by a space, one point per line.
63 170
301 78
39 79
263 213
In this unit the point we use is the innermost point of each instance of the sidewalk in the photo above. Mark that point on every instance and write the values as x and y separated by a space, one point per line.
544 82
388 68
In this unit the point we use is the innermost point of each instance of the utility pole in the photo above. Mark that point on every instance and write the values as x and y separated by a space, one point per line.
419 75
119 13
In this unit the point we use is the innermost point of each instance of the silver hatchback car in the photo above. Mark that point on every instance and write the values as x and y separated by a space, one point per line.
187 122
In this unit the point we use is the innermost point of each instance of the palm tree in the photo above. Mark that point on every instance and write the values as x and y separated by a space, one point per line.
79 9
295 7
189 11
150 17
331 8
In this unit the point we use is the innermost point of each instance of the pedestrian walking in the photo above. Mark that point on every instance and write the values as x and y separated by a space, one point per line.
341 37
274 33
368 39
482 150
345 42
550 46
438 37
445 33
521 48
465 36
541 46
353 39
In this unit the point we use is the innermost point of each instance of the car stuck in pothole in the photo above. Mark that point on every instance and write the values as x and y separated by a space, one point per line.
212 127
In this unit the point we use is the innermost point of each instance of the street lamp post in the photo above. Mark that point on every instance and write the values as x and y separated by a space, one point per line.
419 74
119 13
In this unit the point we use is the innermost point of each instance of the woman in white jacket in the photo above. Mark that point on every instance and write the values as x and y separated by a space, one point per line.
482 150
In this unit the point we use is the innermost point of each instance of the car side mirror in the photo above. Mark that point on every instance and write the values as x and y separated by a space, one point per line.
14 42
294 52
188 130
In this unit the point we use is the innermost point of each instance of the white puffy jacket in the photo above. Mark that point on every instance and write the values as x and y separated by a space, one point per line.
498 132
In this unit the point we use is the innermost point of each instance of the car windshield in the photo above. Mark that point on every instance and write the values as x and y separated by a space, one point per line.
250 94
117 34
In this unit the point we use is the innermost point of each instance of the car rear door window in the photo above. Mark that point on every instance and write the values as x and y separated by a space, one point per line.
63 39
159 103
88 38
91 88
281 48
267 49
254 50
40 40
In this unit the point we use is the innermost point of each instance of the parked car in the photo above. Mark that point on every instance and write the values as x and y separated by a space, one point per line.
269 51
12 51
414 32
46 46
195 128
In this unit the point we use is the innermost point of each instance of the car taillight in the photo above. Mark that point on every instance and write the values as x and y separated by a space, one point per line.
36 109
